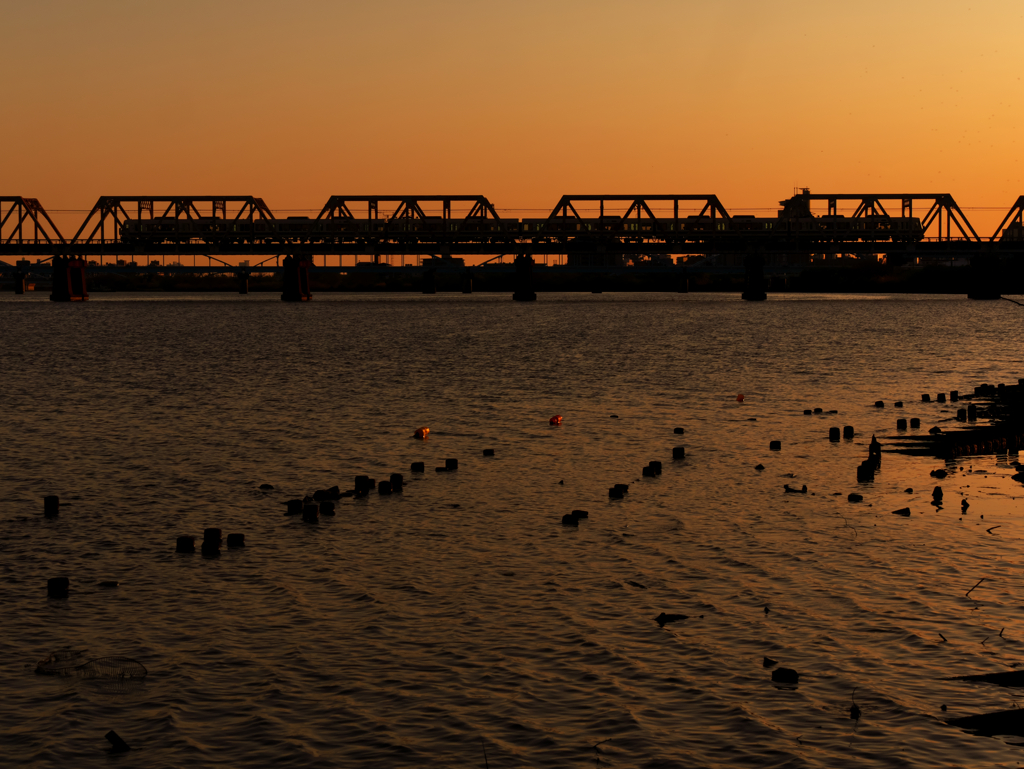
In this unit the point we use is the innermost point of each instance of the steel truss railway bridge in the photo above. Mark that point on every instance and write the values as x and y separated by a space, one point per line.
589 231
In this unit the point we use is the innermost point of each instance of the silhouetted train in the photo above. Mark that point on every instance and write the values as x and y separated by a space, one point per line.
303 229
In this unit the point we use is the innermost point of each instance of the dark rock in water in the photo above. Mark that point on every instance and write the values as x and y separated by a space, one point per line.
384 488
1014 678
833 411
110 583
117 745
935 430
236 540
440 469
926 398
807 412
759 467
636 584
854 712
785 676
679 431
898 404
615 493
854 498
311 513
879 404
569 520
266 487
327 507
678 452
937 492
579 514
775 446
488 452
321 494
904 511
938 473
769 662
790 490
294 506
185 544
818 411
623 487
663 618
655 465
397 482
1003 722
451 464
614 416
648 472
901 424
346 494
417 467
833 434
213 536
915 422
908 491
307 500
51 505
964 504
58 587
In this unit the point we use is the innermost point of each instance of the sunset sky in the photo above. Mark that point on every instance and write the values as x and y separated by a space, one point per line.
519 101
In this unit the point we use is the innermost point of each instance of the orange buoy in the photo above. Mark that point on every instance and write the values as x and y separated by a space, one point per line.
422 433
555 420
739 398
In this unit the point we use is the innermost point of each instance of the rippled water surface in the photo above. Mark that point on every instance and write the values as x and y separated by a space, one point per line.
460 618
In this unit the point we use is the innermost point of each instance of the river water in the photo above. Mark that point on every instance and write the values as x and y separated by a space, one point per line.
459 624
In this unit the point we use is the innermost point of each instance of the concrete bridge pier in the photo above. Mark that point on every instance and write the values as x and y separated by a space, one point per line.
467 282
20 276
296 279
984 278
430 281
683 281
68 279
524 279
243 281
753 286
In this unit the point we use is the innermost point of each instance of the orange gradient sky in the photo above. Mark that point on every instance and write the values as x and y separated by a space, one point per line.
522 102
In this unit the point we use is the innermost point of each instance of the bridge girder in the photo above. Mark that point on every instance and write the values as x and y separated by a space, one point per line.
111 210
17 212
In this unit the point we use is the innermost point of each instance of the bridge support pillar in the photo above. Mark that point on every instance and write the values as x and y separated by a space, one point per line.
467 282
983 282
753 286
430 281
68 279
296 279
683 281
20 276
524 279
243 281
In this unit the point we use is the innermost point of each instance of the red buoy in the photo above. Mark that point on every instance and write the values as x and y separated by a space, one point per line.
422 433
555 420
739 398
